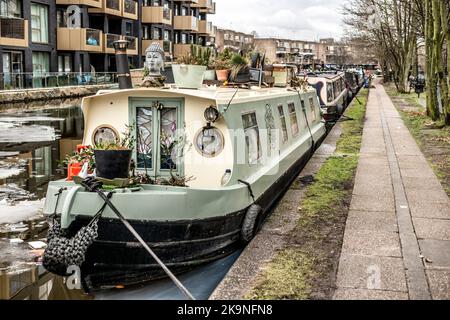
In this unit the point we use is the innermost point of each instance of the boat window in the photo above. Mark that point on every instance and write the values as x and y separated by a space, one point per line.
252 139
313 110
283 123
144 137
293 117
330 92
168 125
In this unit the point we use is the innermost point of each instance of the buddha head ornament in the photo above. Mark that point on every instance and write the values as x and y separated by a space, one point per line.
154 59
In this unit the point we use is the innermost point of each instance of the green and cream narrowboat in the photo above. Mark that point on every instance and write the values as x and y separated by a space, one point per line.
241 148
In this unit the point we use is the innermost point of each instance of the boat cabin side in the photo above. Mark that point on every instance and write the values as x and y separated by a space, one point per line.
331 89
173 136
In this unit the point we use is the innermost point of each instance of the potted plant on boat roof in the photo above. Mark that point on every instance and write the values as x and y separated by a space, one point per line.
222 65
113 159
240 71
189 71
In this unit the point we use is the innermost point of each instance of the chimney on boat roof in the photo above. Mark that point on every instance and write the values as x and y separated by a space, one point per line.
123 68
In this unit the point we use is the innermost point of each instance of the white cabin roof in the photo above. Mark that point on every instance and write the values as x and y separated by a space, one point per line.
221 95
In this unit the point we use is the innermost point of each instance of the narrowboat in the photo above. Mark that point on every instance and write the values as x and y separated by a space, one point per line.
250 154
332 92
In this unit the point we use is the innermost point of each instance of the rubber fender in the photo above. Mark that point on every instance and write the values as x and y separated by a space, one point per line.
249 225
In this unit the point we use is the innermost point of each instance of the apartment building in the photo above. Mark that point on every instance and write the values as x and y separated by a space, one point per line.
71 36
290 51
234 40
27 43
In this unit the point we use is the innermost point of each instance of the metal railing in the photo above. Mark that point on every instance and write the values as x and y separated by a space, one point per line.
130 6
13 28
93 37
110 39
30 80
113 4
131 42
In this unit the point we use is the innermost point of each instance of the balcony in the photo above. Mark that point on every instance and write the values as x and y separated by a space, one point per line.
112 7
159 15
205 6
205 28
129 9
132 45
180 49
13 32
79 39
186 23
88 3
165 44
109 42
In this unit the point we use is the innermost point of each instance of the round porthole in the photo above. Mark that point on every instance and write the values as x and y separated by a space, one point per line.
209 142
105 134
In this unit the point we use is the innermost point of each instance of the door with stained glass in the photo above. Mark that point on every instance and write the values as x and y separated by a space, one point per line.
158 135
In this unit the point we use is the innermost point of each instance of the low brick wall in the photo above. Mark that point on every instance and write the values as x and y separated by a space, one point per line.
26 95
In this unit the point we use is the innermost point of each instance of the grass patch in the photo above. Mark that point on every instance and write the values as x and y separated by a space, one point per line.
309 257
286 277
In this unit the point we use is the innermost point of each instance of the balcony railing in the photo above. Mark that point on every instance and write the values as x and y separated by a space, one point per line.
110 39
93 37
12 28
131 42
130 6
19 81
113 4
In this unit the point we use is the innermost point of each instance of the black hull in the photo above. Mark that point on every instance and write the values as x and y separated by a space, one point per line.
116 258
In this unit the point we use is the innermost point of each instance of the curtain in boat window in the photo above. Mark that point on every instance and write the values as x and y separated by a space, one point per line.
252 139
39 23
313 110
293 117
283 123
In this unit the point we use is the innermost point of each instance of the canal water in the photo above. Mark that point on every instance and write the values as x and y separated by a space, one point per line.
34 138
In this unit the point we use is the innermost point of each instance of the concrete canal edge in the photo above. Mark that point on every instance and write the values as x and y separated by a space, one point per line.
45 94
275 236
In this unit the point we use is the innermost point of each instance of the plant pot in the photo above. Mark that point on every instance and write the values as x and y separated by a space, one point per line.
73 170
188 76
210 75
243 76
112 164
222 75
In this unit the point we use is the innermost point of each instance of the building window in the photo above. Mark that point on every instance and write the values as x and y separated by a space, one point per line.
293 118
41 65
156 34
11 8
252 140
64 63
283 123
128 29
39 23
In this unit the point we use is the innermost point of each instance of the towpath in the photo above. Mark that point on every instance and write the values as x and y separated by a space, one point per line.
397 237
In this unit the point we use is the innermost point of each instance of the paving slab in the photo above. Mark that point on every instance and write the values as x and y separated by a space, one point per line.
377 243
437 252
363 294
430 210
437 229
439 284
363 272
372 221
374 202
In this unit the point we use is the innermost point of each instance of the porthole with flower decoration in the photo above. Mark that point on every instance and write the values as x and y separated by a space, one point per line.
209 142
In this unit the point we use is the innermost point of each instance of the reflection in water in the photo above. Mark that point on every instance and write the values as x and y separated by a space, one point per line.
33 140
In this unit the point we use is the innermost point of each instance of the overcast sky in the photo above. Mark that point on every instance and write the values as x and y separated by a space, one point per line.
296 19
